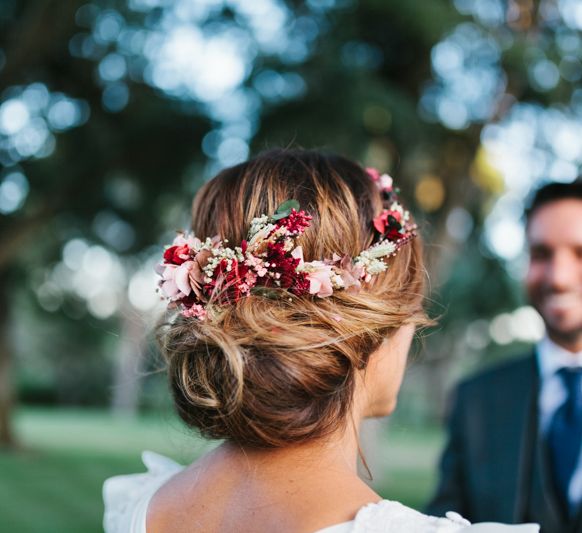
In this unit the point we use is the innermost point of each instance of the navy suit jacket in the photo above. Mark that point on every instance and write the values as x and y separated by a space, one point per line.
494 466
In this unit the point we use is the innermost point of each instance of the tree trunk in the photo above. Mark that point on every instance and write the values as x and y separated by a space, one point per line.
129 362
7 438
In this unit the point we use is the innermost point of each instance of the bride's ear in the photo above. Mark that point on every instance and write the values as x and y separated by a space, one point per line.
378 384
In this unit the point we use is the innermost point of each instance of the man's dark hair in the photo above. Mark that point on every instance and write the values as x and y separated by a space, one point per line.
552 192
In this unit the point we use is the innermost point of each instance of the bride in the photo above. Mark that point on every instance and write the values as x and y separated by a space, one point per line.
294 307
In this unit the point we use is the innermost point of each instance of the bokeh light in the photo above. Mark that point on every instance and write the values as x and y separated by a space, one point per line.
13 192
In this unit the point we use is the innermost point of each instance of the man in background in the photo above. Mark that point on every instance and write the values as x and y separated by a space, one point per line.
515 431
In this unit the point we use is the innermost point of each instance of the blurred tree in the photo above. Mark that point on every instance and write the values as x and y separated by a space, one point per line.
82 170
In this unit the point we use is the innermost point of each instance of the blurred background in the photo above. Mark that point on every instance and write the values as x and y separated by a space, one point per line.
113 113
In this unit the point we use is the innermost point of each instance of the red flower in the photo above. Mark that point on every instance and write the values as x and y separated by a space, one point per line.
388 223
176 255
189 301
232 284
296 221
283 265
301 284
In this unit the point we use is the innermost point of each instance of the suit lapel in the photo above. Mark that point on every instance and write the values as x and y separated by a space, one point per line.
577 524
541 502
544 505
509 438
526 429
523 436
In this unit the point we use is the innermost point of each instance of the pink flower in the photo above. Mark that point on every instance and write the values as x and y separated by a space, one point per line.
350 274
196 311
167 283
250 279
196 274
384 181
320 279
297 253
187 239
380 221
389 223
257 264
373 173
175 283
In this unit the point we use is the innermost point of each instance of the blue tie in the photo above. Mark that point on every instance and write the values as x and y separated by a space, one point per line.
565 434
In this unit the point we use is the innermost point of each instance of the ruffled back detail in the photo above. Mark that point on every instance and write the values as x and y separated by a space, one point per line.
126 498
389 516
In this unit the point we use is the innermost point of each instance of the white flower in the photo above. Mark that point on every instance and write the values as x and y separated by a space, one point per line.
383 249
260 235
337 281
385 182
397 207
257 224
376 266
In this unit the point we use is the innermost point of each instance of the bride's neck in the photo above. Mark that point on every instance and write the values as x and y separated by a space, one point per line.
337 452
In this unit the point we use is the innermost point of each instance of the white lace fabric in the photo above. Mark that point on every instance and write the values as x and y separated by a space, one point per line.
127 497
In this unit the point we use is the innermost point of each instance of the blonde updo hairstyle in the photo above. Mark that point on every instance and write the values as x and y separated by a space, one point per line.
268 373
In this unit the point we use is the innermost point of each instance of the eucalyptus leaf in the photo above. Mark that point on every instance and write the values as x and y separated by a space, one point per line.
393 223
284 210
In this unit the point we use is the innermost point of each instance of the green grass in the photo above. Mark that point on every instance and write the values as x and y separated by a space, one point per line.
54 483
403 462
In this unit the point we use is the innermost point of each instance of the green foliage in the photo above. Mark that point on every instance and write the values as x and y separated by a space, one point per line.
284 210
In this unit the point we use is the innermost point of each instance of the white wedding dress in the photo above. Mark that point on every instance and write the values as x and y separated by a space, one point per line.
126 501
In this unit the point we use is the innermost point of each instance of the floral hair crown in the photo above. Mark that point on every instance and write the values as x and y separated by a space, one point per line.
194 272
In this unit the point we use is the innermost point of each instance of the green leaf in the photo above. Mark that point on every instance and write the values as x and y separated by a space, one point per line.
284 210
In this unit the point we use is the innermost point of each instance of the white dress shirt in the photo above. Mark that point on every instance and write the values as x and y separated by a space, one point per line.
552 358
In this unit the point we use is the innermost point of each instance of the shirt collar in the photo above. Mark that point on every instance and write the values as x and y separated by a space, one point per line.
552 357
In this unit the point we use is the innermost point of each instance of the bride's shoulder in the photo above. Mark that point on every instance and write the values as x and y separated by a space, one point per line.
126 497
388 515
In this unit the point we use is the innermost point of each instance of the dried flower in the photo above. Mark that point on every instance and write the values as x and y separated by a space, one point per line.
194 271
